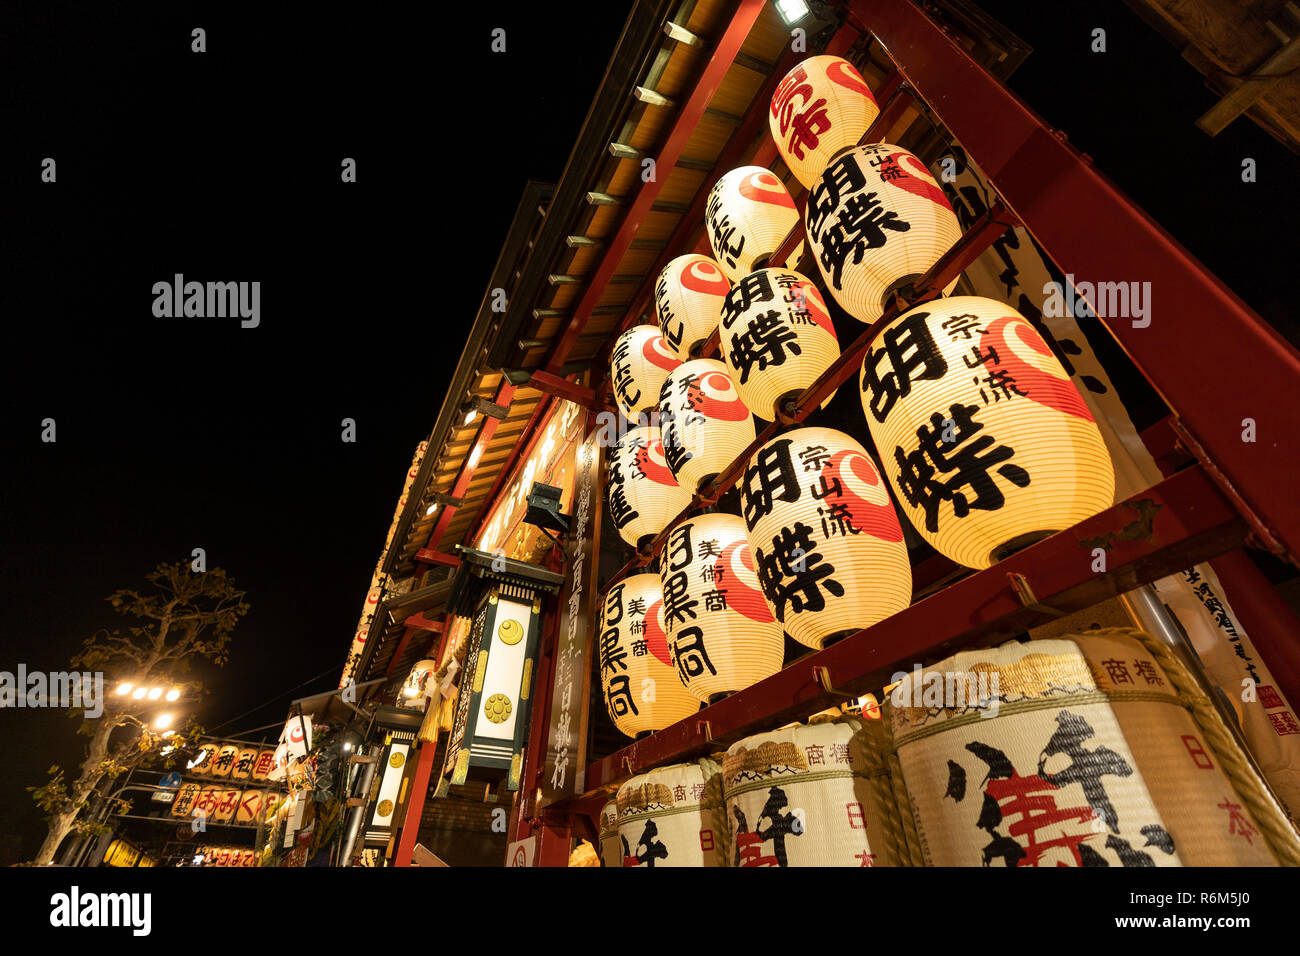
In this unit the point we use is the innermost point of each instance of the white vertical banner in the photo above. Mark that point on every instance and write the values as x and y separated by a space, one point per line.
1013 271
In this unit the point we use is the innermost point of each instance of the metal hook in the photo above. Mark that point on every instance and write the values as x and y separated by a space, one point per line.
703 728
822 675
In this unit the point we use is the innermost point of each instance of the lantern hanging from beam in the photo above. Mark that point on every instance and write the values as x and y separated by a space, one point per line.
244 761
637 677
821 107
721 634
876 221
688 297
640 362
704 421
225 761
986 442
776 337
826 541
643 494
748 214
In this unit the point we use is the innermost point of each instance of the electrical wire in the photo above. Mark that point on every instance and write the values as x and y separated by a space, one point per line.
273 699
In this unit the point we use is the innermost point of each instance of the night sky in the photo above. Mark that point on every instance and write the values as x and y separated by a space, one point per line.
224 166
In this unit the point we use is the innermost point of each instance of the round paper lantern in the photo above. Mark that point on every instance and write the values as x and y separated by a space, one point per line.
826 541
877 220
821 107
705 423
688 298
721 634
776 338
225 761
667 817
985 440
204 760
244 761
748 214
643 494
640 362
262 766
637 677
250 803
1097 749
611 851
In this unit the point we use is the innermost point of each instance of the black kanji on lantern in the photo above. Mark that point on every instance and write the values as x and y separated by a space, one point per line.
668 324
679 547
623 379
770 478
678 603
755 287
620 696
841 179
946 448
794 573
620 509
688 650
859 226
722 229
612 656
764 343
912 355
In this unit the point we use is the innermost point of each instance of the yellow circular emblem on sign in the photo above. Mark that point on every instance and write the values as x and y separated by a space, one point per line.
396 760
497 708
385 808
511 631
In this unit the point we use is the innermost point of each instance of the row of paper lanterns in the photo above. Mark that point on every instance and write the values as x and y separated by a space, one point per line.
218 804
984 440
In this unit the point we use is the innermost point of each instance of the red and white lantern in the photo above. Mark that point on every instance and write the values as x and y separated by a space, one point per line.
704 421
822 106
748 214
688 297
721 633
776 337
643 494
640 362
827 543
877 220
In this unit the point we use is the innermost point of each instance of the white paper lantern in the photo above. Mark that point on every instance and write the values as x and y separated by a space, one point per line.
688 298
721 633
611 854
986 442
643 494
822 106
640 362
667 817
776 337
638 680
826 541
748 214
704 421
876 220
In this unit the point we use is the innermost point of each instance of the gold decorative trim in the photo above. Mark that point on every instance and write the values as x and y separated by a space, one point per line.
461 772
526 686
515 761
479 670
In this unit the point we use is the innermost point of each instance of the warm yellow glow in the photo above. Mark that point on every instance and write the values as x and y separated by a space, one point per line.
720 631
914 225
776 337
813 495
821 107
124 687
639 684
173 695
162 721
688 298
139 693
638 365
643 495
985 441
704 423
431 509
748 215
154 693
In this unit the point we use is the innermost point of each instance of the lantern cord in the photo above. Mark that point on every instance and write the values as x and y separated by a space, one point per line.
272 700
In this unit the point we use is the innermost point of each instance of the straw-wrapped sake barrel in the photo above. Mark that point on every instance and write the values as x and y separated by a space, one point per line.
667 817
611 851
803 796
1094 750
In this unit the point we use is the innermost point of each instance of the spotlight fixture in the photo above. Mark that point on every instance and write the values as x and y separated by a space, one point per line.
792 11
544 510
477 406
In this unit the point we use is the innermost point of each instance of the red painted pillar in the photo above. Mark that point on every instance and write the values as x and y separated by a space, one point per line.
415 805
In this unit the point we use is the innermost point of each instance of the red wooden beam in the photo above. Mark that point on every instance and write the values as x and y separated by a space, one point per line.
429 556
1182 520
415 805
558 387
422 623
724 54
505 392
1095 233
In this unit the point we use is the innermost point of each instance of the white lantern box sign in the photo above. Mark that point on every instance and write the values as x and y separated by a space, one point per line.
827 543
704 422
986 442
821 107
776 338
688 297
643 494
721 633
637 677
669 817
1098 749
639 363
749 213
876 221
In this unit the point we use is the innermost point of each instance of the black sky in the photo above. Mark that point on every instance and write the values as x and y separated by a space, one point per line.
177 434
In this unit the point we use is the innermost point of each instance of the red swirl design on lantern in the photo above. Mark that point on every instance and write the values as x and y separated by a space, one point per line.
714 396
763 186
1035 384
909 165
815 306
842 73
742 597
656 641
879 521
656 352
700 275
653 465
